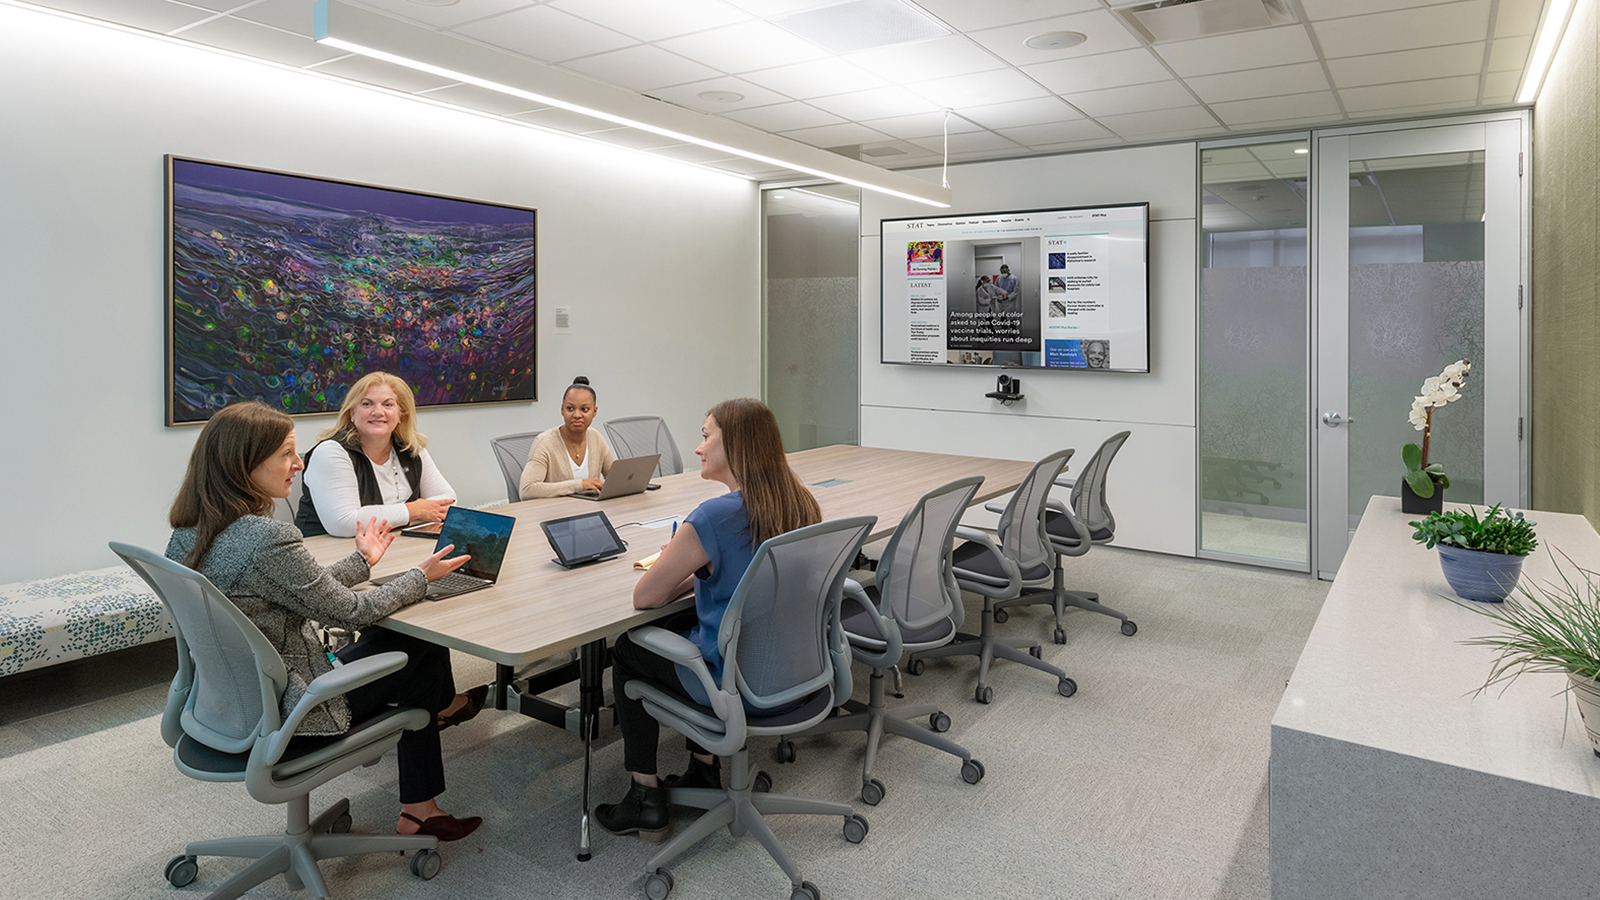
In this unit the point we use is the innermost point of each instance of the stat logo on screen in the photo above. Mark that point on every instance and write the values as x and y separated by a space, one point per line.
925 258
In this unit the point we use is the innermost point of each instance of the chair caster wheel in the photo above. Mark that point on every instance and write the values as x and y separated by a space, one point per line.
806 891
784 752
984 694
972 771
872 792
425 864
762 783
658 885
1129 628
1036 652
341 825
916 666
939 722
1061 635
855 829
1067 687
1000 616
182 870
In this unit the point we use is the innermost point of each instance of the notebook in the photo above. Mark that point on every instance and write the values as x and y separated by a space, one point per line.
582 539
483 536
627 476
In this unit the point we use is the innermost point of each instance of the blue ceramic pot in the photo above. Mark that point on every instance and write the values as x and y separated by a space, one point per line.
1476 575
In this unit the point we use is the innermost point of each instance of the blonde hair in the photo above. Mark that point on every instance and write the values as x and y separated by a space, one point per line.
411 440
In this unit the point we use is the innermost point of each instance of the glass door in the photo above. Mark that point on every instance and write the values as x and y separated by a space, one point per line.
1418 265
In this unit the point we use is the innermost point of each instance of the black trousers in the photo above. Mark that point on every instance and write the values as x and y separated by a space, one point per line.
640 731
426 682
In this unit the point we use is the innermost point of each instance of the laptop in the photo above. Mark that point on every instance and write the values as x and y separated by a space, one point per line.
627 476
581 539
484 536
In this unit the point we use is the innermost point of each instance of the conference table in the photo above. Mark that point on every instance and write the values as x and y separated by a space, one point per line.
538 609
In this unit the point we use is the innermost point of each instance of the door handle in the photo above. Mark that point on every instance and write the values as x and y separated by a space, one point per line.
1334 420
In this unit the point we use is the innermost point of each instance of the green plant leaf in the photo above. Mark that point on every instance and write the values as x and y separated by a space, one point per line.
1420 483
1412 454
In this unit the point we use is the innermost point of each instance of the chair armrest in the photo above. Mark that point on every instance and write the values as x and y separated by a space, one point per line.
1013 574
890 654
1056 505
1066 482
995 506
328 685
679 649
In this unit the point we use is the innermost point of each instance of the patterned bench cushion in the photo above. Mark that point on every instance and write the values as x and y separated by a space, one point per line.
53 620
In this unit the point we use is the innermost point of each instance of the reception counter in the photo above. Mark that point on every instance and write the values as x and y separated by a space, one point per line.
1390 779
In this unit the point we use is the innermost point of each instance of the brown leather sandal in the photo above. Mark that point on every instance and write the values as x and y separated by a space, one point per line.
469 710
445 827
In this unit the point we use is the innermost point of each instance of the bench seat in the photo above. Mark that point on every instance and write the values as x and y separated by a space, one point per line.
53 620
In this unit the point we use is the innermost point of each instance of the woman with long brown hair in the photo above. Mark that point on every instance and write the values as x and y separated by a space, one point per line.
710 552
222 524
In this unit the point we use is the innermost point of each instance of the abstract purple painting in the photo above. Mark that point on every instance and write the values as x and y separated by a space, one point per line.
287 288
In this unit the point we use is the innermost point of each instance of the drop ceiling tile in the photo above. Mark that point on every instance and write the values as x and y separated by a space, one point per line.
1407 65
213 5
922 125
971 142
979 89
1168 121
1461 91
564 120
1020 113
1295 79
289 15
1285 150
1338 9
890 152
633 138
443 16
1223 173
1499 85
653 20
545 34
1055 133
784 117
689 95
376 71
1066 76
1517 17
1134 98
1272 109
1110 140
1510 53
260 41
483 100
836 135
920 61
1286 124
1231 52
694 153
968 16
744 47
878 103
751 168
159 16
1227 155
641 68
1104 32
820 78
1289 168
1406 29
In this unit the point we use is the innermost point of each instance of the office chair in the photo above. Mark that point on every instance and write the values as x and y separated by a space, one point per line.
915 605
511 452
1003 572
784 655
641 436
222 721
1072 530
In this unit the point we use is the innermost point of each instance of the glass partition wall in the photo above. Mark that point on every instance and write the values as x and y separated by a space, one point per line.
811 369
1254 346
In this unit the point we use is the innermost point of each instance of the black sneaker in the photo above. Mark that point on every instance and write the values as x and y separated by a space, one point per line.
698 775
642 811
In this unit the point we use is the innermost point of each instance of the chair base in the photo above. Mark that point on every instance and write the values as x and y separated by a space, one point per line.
1060 597
986 646
294 853
741 808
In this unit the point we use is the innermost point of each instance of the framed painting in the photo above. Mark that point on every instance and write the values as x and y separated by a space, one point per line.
287 288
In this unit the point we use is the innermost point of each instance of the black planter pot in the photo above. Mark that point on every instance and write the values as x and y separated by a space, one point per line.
1411 503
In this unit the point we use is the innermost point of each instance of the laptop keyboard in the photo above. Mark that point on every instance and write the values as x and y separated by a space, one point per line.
454 581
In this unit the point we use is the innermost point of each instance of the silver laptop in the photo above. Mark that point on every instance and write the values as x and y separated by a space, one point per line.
627 476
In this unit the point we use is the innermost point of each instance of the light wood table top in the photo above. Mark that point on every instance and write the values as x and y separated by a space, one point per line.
538 608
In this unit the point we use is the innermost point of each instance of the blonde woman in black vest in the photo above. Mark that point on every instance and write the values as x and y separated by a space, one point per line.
372 464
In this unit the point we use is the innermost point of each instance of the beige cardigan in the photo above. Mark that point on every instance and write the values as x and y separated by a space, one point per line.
548 472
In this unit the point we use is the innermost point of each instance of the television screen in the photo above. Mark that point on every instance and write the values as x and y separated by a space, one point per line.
287 288
1045 289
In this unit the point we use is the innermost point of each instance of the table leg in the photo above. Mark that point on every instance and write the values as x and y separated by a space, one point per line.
502 685
591 697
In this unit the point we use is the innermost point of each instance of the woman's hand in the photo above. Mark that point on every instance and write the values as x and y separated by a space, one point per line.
436 566
672 574
422 511
372 539
593 484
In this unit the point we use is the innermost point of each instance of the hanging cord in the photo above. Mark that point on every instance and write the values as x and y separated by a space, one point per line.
944 171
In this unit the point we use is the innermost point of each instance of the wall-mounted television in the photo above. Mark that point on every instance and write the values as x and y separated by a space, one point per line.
1065 288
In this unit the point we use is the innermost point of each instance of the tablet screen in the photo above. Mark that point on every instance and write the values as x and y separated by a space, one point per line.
581 538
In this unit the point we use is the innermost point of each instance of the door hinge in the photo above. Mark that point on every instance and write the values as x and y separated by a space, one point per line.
1519 296
1519 165
1519 428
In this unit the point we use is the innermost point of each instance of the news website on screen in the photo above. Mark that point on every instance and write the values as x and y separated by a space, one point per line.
1052 289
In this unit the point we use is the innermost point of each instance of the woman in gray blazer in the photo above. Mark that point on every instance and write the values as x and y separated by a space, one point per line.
222 525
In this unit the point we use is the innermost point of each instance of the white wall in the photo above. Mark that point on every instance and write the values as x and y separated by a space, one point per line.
658 261
1152 483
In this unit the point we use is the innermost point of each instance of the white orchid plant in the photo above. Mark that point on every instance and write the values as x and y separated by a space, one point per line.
1437 391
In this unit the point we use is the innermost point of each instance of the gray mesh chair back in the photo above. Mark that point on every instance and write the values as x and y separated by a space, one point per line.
511 452
632 436
915 583
1023 538
1089 490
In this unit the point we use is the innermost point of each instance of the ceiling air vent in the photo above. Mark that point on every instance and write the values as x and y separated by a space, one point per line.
1182 20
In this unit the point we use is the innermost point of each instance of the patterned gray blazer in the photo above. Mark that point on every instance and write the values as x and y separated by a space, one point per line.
263 566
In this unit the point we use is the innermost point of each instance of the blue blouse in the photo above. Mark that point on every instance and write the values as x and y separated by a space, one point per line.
722 525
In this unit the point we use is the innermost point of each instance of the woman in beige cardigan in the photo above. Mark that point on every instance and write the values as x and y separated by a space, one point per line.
572 457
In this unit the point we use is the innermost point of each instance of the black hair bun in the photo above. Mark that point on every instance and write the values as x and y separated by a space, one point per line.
581 379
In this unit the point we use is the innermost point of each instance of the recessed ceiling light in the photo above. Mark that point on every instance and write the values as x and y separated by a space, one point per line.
1056 40
720 96
1301 150
1248 187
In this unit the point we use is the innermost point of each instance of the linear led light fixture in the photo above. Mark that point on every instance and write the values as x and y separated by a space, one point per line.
1544 49
373 35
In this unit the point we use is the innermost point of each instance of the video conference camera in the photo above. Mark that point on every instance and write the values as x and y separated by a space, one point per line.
1006 389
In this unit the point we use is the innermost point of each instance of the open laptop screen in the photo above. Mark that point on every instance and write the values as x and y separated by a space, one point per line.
482 535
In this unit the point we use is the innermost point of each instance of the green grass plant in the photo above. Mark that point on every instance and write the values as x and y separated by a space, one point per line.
1552 626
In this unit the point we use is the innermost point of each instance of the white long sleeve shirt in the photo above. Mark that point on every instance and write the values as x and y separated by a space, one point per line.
331 477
